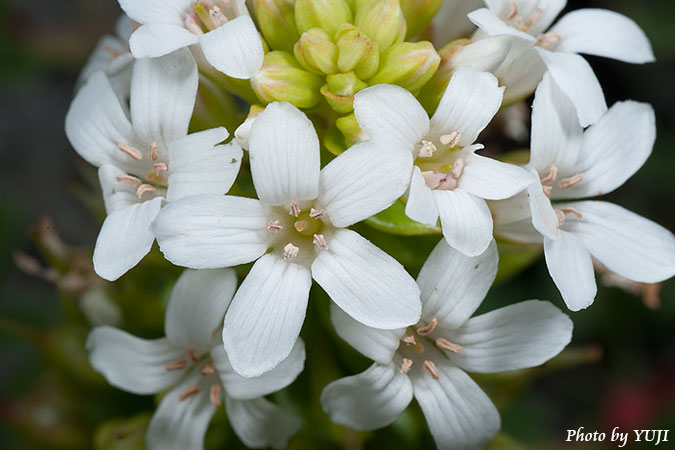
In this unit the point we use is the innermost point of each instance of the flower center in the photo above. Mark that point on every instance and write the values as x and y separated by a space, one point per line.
207 15
519 21
157 176
206 369
565 183
299 231
439 162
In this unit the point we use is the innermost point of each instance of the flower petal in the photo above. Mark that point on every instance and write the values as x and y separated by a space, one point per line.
484 55
603 33
156 11
454 285
469 103
117 195
544 218
234 48
363 181
266 315
366 283
626 243
521 72
576 79
212 231
159 39
260 423
491 179
163 94
465 221
571 268
133 364
370 400
199 166
389 113
491 24
374 343
197 307
517 336
545 11
450 22
284 153
274 380
421 205
125 238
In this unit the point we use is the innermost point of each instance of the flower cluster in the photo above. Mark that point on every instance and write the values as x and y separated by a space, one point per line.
353 117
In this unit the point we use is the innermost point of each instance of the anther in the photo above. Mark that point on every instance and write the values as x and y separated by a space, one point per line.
317 213
410 340
320 241
546 40
534 18
142 189
294 210
575 212
427 149
192 354
447 345
425 331
570 181
432 178
192 24
217 16
176 365
547 190
135 182
214 395
430 367
550 178
451 139
159 168
406 365
514 10
561 216
207 370
274 226
153 151
133 153
290 251
189 392
458 168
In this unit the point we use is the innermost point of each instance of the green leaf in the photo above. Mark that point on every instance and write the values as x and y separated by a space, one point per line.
394 221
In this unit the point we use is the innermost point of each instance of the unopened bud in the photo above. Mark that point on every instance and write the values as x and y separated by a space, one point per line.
316 52
326 14
418 14
243 131
350 129
282 79
339 91
356 52
382 21
277 23
407 64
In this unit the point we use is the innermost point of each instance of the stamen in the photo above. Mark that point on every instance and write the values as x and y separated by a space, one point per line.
320 241
547 190
142 189
159 167
561 216
425 331
546 40
458 168
317 213
534 18
214 395
153 152
447 345
406 365
300 225
189 392
432 178
207 370
274 226
192 24
514 10
217 16
192 354
176 365
552 173
570 181
451 139
290 251
410 340
112 50
427 149
133 153
430 367
135 182
575 212
294 210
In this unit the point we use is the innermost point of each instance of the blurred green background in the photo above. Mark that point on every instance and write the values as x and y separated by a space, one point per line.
619 371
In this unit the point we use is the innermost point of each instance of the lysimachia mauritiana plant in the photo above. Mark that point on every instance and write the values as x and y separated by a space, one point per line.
277 138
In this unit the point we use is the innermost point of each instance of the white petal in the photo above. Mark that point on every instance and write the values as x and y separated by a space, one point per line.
421 205
459 414
163 94
491 24
517 336
389 113
124 27
571 268
465 221
603 33
613 149
522 74
491 179
450 22
544 218
199 166
521 231
374 343
454 285
556 133
484 55
125 238
180 425
260 423
264 320
234 48
156 11
159 39
370 400
576 79
197 306
284 153
117 195
626 243
363 181
107 49
212 231
366 283
546 11
274 380
469 103
130 363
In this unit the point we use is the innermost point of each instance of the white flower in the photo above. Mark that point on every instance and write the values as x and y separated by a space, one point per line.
448 179
145 154
591 31
222 28
296 232
450 22
195 367
574 164
428 361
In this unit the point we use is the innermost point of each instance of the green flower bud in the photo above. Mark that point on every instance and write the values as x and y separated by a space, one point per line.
382 21
356 52
326 14
339 91
418 14
282 79
277 23
350 128
407 64
316 52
